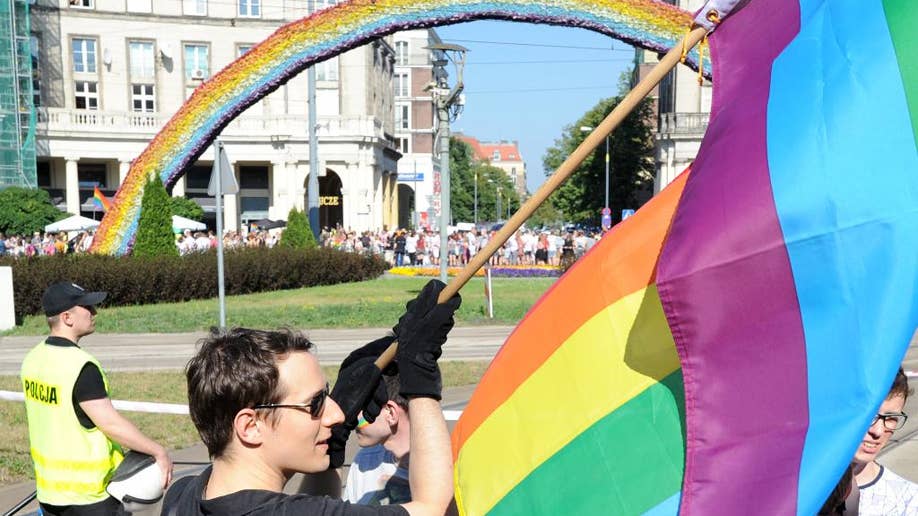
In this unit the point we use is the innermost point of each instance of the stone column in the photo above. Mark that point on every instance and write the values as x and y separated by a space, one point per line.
231 208
178 189
72 186
279 204
123 168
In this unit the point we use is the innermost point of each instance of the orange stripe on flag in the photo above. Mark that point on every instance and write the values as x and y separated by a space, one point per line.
622 263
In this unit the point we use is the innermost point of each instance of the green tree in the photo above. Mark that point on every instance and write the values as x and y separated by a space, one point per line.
26 210
298 234
582 196
154 229
185 207
460 178
546 215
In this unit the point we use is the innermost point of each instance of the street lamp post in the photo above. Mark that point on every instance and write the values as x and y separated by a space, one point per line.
587 129
500 211
476 199
448 104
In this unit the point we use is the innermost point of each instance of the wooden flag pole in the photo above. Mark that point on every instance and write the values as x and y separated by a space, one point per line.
625 107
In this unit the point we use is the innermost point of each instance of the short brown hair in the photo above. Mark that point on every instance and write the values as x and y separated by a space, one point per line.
393 386
900 386
233 370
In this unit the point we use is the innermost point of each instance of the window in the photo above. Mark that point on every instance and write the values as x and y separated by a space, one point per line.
402 144
142 98
401 116
84 55
90 175
253 177
401 84
194 7
196 63
401 53
250 8
142 60
83 4
495 156
86 95
35 50
327 70
243 48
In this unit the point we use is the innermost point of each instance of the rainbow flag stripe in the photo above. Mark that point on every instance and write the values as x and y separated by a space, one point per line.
589 388
100 200
649 24
723 351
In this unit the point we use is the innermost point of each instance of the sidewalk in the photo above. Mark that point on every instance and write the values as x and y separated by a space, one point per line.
453 399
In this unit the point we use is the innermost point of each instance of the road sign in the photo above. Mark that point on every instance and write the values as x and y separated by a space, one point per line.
606 219
410 177
627 213
228 184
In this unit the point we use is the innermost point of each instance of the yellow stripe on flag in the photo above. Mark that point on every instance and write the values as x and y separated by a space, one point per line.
613 357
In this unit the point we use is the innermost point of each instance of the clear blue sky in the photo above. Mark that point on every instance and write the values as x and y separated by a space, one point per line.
526 82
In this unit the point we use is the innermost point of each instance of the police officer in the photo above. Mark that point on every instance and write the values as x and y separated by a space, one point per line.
75 433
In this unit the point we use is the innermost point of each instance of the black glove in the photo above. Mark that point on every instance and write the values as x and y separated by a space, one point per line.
421 333
359 387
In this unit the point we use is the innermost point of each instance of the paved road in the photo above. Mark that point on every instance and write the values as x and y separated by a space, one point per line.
147 352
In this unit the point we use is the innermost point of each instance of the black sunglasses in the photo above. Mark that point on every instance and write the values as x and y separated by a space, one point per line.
313 406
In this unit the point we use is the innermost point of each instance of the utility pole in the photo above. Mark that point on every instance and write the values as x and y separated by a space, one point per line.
312 200
449 104
476 199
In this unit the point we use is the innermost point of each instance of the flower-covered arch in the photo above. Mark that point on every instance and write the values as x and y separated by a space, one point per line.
648 24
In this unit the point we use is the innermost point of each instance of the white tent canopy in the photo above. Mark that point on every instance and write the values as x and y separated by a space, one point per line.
72 223
180 224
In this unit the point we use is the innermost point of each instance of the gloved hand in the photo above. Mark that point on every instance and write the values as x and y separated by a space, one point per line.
359 387
421 333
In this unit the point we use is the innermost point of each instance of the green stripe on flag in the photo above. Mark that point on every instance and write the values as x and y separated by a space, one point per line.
627 463
902 18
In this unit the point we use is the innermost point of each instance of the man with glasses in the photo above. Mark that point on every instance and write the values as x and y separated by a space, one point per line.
261 405
74 431
882 492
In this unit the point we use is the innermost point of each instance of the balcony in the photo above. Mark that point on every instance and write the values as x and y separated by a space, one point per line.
61 122
683 125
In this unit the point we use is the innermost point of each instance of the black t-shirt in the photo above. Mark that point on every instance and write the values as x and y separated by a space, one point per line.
89 384
185 498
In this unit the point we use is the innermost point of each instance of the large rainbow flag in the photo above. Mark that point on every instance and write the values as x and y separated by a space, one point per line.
723 351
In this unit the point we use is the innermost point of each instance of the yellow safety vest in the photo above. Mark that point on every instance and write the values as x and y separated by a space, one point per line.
72 464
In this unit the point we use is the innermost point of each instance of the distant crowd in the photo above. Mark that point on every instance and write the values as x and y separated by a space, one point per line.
404 247
44 244
399 247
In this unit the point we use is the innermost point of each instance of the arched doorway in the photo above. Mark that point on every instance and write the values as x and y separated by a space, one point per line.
331 202
406 206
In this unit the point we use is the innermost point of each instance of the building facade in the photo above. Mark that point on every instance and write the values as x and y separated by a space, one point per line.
112 72
17 116
684 109
504 155
415 127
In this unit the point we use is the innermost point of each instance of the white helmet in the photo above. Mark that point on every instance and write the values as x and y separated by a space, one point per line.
138 481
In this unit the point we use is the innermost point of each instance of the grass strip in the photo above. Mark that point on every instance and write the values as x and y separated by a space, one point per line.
365 304
172 431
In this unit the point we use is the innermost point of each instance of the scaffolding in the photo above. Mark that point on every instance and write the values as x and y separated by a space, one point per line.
17 112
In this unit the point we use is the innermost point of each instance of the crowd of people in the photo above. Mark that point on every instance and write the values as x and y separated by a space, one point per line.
405 247
399 247
44 244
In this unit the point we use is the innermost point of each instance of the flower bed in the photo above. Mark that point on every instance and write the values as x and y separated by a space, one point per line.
501 271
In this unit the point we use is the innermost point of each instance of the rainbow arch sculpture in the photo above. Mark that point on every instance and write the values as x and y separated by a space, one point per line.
648 24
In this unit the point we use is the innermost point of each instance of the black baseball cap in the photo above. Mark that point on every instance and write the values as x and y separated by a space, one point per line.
63 296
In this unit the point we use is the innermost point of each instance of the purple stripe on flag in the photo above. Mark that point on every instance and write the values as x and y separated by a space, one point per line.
728 292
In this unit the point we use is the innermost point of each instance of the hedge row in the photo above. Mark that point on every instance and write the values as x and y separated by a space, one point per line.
134 280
